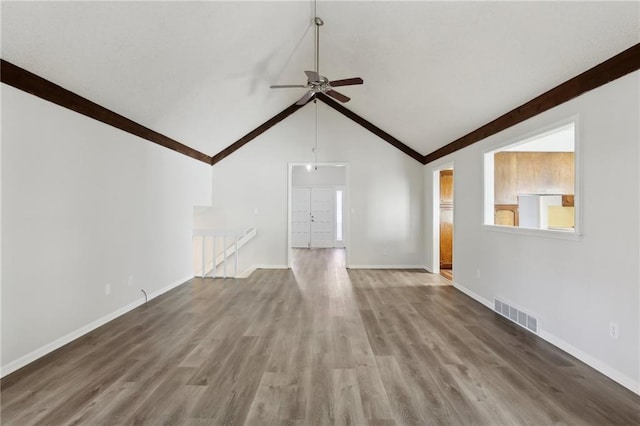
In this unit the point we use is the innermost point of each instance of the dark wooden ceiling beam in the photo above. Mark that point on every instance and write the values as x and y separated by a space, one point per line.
618 66
31 83
255 133
371 127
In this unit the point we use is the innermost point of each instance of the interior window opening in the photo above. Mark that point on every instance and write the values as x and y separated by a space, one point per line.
531 184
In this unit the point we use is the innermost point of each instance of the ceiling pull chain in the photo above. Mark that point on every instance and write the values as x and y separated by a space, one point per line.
315 150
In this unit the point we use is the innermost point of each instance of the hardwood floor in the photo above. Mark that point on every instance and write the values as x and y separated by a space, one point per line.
447 274
316 345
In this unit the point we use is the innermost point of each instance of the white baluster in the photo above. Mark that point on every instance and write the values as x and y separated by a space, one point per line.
224 266
203 266
213 250
236 250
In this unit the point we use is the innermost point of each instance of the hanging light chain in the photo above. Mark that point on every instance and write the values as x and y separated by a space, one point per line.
315 150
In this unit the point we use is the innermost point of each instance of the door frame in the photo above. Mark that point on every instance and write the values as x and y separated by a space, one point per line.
345 217
435 248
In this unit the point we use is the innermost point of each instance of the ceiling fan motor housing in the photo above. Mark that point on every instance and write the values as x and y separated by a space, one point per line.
321 85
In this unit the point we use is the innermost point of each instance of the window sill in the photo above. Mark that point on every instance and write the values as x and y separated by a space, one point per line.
545 233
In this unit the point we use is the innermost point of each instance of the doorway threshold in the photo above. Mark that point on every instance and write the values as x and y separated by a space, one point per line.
447 274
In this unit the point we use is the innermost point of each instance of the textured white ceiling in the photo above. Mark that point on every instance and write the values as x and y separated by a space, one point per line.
200 71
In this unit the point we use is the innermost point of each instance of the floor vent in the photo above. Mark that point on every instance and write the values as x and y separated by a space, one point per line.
516 315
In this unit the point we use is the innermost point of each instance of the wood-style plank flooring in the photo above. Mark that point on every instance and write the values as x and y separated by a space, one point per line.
316 345
447 274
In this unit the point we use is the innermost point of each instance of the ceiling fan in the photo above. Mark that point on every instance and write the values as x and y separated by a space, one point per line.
317 83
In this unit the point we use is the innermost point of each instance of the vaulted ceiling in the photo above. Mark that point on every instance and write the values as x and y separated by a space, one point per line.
199 72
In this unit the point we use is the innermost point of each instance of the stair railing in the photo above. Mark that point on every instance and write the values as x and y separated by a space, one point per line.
232 241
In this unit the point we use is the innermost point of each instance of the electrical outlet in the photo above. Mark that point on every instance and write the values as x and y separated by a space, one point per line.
614 330
478 273
107 289
130 282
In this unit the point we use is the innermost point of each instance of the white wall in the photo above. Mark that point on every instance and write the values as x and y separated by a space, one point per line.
575 287
385 196
83 205
322 176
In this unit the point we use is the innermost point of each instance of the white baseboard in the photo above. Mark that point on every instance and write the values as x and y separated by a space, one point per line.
58 343
250 270
596 364
386 267
171 286
473 295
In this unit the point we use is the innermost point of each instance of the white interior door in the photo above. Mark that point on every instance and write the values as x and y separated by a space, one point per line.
300 217
312 217
322 217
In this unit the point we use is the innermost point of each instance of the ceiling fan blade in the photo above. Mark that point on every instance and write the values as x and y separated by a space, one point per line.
284 86
337 95
312 75
346 82
307 96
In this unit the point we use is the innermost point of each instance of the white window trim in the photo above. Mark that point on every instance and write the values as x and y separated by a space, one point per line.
488 185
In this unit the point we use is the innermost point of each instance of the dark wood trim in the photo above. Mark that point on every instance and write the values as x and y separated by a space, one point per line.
618 66
371 127
31 83
613 68
256 132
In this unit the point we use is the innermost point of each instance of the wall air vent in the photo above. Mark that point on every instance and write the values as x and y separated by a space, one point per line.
516 315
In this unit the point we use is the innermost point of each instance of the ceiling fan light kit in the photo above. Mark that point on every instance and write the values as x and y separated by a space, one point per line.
317 83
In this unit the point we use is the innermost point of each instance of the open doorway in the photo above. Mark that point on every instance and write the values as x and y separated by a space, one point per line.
443 227
317 208
446 224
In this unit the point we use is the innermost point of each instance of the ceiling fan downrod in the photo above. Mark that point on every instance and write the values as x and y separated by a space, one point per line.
316 83
319 22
